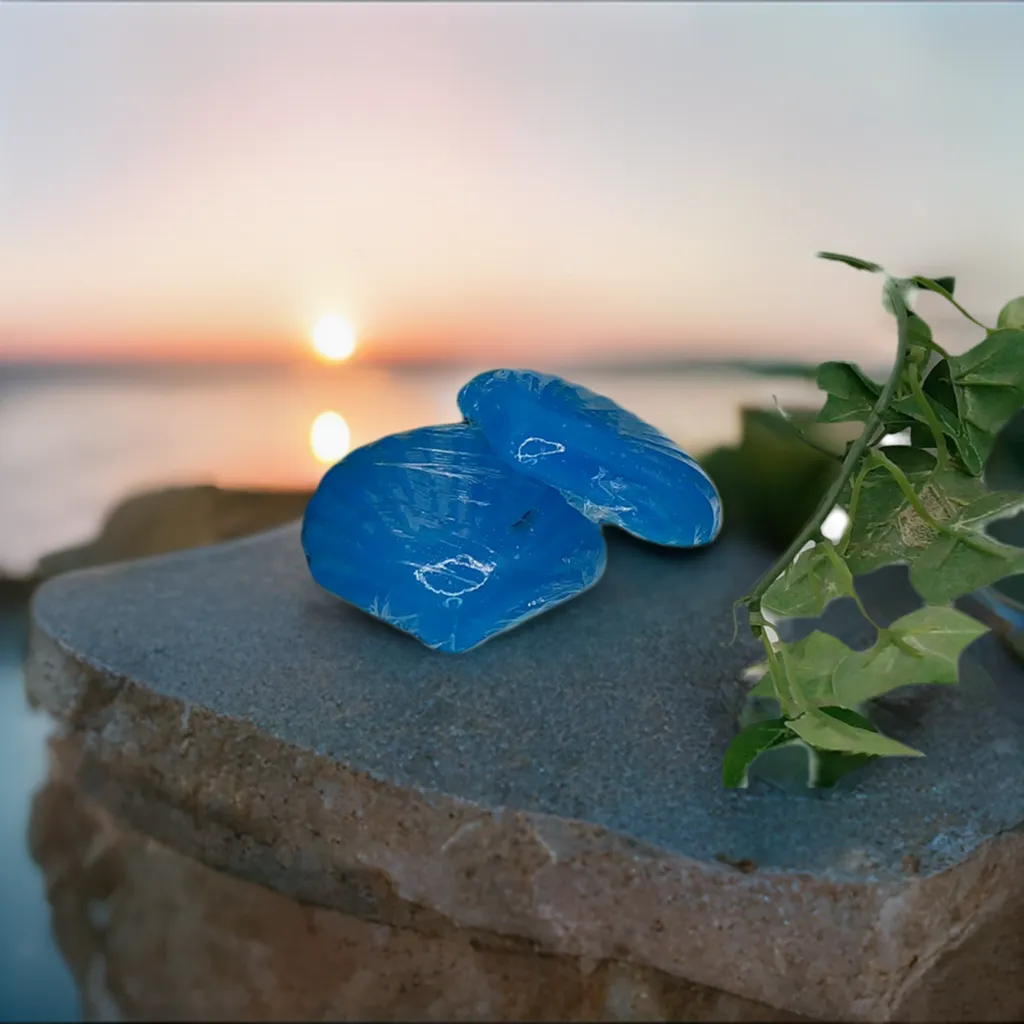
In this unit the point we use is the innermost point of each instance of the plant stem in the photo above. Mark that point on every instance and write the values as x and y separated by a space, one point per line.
778 675
929 414
843 571
853 456
851 512
897 641
971 540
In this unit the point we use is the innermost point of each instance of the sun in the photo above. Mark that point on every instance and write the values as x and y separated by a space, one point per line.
329 437
334 338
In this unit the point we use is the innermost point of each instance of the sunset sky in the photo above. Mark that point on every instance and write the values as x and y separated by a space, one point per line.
608 180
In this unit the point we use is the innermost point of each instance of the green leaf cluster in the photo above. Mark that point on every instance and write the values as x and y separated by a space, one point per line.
921 503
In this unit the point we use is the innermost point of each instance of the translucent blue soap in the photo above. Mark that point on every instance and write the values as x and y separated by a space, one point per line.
433 533
606 462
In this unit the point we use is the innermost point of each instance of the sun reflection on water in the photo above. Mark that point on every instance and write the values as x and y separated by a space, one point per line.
329 437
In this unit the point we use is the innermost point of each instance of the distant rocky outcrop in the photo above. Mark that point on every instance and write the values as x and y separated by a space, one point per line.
175 518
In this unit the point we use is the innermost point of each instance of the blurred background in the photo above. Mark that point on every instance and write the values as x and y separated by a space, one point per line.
237 240
220 221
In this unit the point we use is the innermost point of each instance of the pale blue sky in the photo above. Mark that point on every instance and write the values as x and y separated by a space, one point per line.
519 178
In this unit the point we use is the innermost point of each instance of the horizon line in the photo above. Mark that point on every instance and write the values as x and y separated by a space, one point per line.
665 364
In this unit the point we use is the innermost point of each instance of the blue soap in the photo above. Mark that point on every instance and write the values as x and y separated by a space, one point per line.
606 462
430 531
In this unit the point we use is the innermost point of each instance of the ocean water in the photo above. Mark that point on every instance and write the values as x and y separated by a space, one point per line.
71 447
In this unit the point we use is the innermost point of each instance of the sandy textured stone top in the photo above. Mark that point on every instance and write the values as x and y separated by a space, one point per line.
560 783
614 709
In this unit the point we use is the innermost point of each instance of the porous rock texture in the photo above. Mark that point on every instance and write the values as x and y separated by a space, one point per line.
152 935
558 788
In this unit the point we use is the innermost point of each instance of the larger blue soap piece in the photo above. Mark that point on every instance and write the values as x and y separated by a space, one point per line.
430 531
606 462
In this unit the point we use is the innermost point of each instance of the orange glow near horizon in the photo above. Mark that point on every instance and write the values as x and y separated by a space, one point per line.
202 182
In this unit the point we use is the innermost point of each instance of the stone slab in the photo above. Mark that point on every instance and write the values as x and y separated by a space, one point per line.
559 786
151 935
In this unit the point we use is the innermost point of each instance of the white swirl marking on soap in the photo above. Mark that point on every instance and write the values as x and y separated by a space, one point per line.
470 474
384 612
452 577
611 514
612 485
604 512
534 448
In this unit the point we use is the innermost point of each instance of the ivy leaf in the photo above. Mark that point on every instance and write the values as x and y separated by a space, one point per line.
973 395
905 410
885 529
995 361
811 663
938 385
922 647
795 763
939 633
977 393
1012 314
941 396
829 766
826 731
919 333
989 508
747 745
851 261
951 568
851 394
968 446
921 435
940 285
763 687
809 584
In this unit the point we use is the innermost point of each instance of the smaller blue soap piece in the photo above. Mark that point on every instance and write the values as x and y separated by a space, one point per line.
430 531
606 462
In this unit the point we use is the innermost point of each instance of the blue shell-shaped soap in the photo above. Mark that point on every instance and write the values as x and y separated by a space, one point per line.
606 462
430 531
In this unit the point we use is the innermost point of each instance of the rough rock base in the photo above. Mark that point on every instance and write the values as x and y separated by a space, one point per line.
152 935
556 792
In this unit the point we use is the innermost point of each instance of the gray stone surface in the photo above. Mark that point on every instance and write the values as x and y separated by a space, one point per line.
559 785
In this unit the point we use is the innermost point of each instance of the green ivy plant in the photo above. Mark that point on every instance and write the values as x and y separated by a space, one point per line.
921 503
